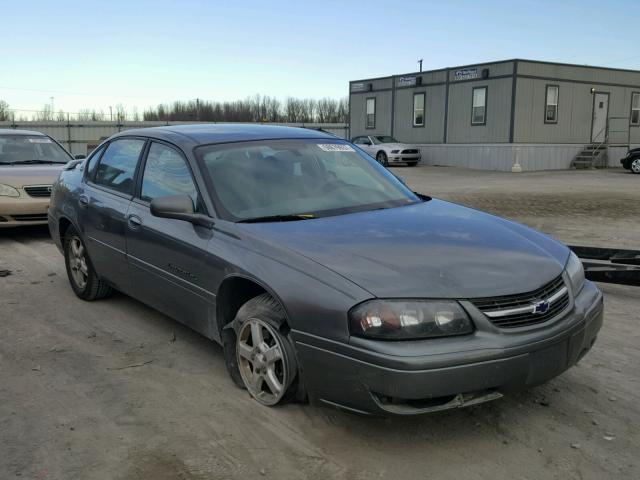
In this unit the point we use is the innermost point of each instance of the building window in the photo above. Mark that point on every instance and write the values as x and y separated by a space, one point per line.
418 109
635 108
479 106
551 104
371 113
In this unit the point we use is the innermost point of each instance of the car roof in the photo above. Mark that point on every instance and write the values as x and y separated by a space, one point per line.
202 134
11 131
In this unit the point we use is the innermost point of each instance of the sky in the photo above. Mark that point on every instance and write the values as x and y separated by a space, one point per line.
88 54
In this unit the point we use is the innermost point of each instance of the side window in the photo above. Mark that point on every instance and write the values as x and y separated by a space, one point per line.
479 106
551 104
635 108
92 162
371 113
118 164
166 173
418 109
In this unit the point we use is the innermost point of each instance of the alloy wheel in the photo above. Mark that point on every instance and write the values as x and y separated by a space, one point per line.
635 166
261 361
78 262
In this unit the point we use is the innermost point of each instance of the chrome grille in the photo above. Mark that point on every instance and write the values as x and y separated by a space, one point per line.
521 310
38 190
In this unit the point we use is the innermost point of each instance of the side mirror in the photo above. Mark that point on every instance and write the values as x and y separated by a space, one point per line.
179 207
79 157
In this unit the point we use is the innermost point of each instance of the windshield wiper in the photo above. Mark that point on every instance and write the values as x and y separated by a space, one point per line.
26 162
279 218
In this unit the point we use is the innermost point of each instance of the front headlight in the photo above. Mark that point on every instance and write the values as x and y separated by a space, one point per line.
575 271
409 319
395 151
8 191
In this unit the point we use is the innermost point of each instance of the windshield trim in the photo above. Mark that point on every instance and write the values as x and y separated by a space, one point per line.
337 212
411 199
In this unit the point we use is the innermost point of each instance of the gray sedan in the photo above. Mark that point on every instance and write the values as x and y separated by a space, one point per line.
387 150
323 277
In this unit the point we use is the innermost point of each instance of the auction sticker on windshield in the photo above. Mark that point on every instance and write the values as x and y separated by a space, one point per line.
40 140
335 147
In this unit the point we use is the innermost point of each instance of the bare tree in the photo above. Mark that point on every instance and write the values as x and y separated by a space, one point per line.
258 108
5 114
121 113
44 115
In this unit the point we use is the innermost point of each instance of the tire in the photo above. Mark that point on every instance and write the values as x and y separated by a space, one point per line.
412 164
382 159
82 276
635 166
265 359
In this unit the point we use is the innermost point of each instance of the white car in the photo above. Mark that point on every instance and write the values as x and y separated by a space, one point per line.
387 150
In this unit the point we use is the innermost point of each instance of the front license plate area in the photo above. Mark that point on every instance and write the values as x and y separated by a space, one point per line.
547 363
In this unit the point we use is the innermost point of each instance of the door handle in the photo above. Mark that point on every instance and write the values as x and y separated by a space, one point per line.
83 201
134 222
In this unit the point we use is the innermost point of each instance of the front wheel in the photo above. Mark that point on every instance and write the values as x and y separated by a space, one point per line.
635 166
82 277
382 159
265 355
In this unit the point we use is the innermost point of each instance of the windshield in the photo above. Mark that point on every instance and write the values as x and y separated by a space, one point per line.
26 148
384 139
307 178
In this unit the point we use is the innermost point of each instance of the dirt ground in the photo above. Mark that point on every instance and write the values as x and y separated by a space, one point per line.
113 389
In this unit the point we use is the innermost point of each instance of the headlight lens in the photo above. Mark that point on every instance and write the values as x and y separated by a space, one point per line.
575 271
409 319
395 151
8 191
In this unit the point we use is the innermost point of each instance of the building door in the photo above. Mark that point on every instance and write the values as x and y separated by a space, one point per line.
600 114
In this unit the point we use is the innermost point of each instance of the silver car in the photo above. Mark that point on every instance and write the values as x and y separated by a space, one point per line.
387 150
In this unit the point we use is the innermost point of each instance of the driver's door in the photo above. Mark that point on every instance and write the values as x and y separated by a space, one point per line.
365 144
168 257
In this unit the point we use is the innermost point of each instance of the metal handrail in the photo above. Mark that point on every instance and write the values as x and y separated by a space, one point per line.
605 140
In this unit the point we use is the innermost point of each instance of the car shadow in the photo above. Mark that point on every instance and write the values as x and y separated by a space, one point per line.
28 232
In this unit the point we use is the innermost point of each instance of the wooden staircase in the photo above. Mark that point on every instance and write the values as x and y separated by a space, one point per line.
591 156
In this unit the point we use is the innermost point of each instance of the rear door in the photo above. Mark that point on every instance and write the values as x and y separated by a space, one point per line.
168 260
103 208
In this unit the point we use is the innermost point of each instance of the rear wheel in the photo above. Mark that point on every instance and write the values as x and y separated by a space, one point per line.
635 166
265 356
382 159
82 277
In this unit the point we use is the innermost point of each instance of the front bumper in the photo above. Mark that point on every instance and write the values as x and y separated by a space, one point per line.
23 210
466 371
404 157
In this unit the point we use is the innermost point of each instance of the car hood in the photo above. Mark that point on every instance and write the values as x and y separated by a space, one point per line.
433 249
20 175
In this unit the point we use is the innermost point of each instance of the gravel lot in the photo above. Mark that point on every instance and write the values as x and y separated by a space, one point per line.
114 389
